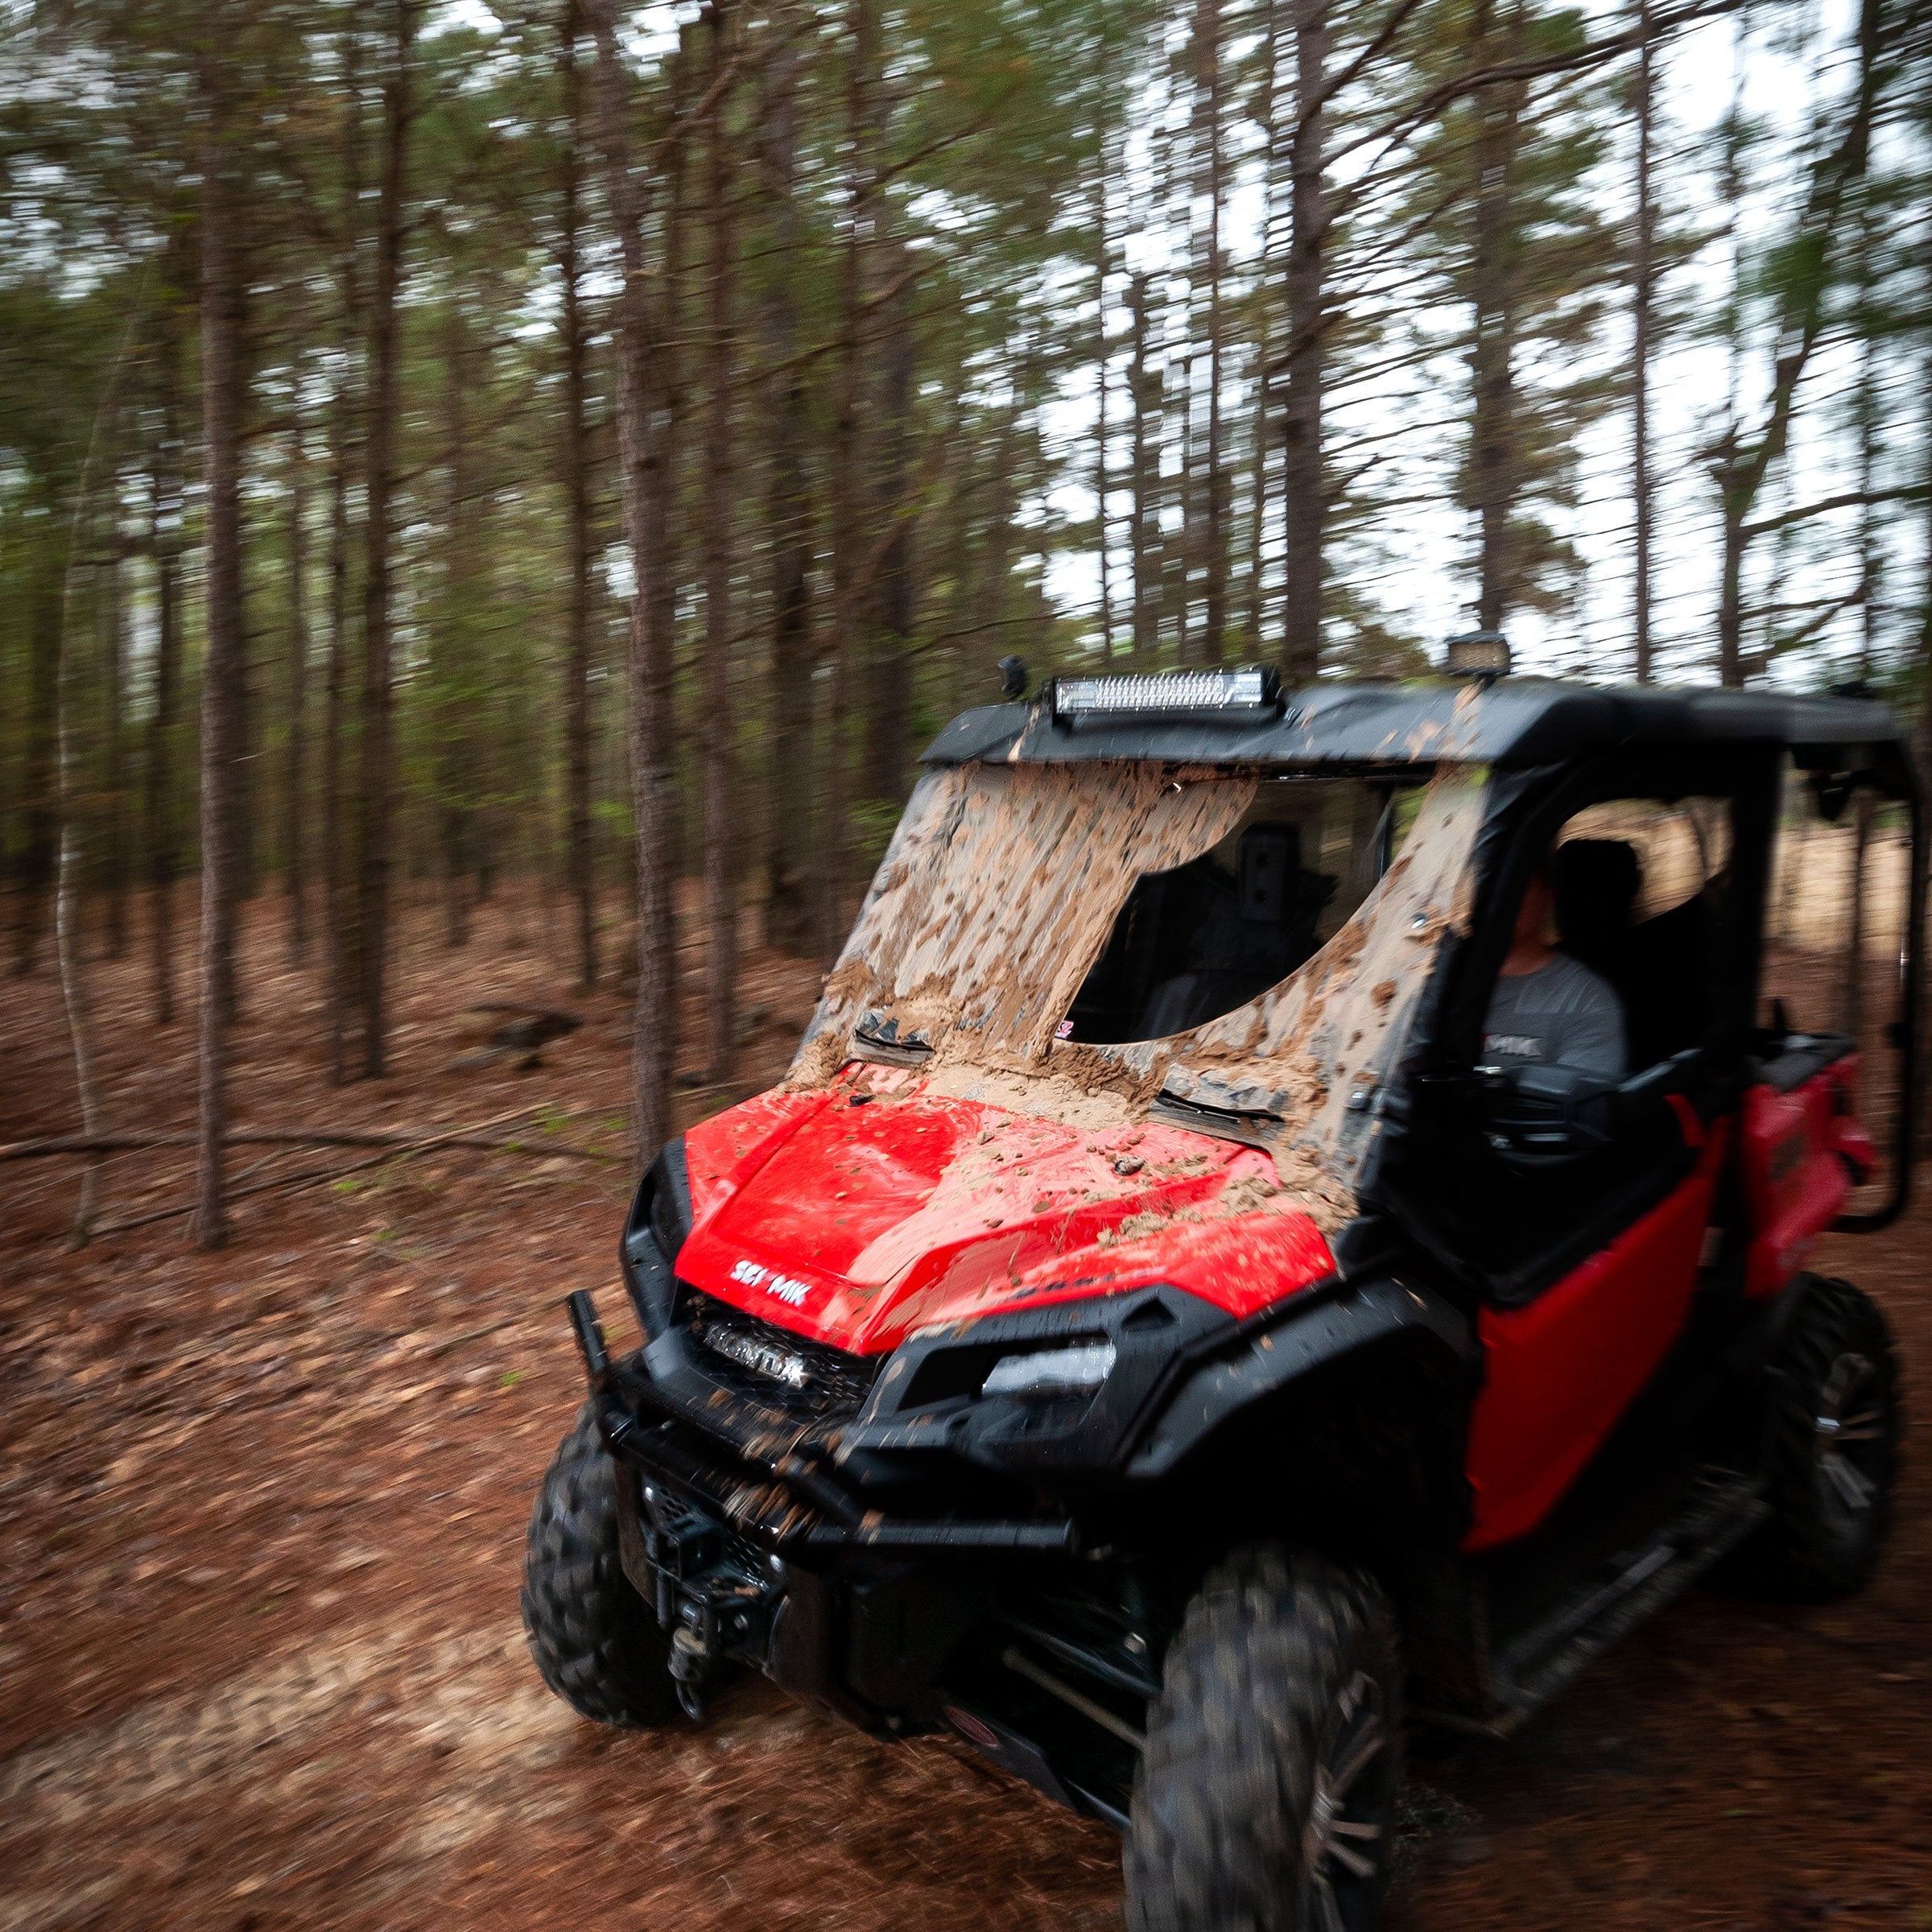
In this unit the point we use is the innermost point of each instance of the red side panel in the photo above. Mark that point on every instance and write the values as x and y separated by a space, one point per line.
1562 1370
1800 1148
859 1212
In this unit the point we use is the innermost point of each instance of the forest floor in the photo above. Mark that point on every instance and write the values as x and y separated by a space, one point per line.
262 1517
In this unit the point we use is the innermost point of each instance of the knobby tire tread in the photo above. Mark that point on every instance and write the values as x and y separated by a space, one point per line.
1226 1778
1794 1555
595 1642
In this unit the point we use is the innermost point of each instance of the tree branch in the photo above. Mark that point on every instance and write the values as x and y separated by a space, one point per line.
1849 499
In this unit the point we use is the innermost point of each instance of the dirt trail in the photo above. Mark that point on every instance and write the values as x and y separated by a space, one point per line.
261 1519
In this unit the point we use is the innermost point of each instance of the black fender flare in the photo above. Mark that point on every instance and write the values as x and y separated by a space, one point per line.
654 1232
1303 1339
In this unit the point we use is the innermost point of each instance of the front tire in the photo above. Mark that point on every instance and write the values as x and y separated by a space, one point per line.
595 1641
1266 1797
1831 1448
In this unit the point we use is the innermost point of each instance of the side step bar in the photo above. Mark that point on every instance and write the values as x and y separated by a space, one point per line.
1524 1673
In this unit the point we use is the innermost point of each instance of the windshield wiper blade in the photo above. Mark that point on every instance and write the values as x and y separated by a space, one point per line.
1186 1104
1208 1113
881 1032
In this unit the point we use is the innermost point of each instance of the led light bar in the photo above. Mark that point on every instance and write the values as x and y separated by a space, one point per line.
1165 693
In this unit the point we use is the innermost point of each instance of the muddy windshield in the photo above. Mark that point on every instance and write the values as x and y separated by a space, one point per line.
1103 904
1199 939
1089 940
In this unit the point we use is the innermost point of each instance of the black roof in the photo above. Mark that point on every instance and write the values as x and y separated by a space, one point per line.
1514 721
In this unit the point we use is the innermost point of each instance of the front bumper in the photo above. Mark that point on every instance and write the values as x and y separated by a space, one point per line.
754 1550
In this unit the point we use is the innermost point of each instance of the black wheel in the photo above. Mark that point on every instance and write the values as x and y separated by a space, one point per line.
1831 1448
1265 1797
595 1639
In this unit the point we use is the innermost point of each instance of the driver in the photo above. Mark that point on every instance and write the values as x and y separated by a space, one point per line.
1549 1008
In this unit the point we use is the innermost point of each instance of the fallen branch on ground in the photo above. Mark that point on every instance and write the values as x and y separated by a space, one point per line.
50 1145
391 1150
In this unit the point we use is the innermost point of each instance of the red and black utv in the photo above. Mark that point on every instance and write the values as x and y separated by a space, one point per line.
1165 1328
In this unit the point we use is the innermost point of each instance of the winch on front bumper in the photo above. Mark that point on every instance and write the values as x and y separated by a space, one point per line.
754 1549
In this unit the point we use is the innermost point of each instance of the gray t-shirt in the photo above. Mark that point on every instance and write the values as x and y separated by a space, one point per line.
1560 1015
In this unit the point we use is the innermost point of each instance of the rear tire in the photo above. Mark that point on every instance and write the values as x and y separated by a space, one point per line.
1831 1448
595 1641
1265 1801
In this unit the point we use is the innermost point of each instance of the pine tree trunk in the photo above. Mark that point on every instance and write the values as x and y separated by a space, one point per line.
68 939
1144 562
1735 505
851 454
40 779
789 837
996 588
579 861
961 490
1643 280
1493 450
165 525
1304 480
338 908
378 670
456 736
1733 491
115 618
239 800
1921 677
1866 414
890 748
673 376
341 964
1262 417
1102 531
721 721
641 447
1213 181
1850 1016
295 837
221 407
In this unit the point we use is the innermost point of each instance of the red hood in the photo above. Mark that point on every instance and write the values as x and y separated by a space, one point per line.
859 1211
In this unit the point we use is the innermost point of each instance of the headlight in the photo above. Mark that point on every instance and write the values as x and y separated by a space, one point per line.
1072 1371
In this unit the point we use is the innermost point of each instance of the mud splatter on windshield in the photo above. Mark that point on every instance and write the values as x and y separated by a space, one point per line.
1016 912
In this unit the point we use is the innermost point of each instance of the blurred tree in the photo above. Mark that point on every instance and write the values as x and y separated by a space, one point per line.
378 776
792 820
575 331
720 724
1643 300
341 961
295 821
223 386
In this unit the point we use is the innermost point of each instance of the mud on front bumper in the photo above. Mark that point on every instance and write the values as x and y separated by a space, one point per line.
752 1549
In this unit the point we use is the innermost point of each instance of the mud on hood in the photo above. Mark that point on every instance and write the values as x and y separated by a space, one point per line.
873 1205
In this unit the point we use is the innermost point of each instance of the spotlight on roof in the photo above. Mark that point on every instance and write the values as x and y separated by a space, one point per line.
1478 654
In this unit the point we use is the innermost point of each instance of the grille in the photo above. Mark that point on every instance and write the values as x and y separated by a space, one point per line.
771 1366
